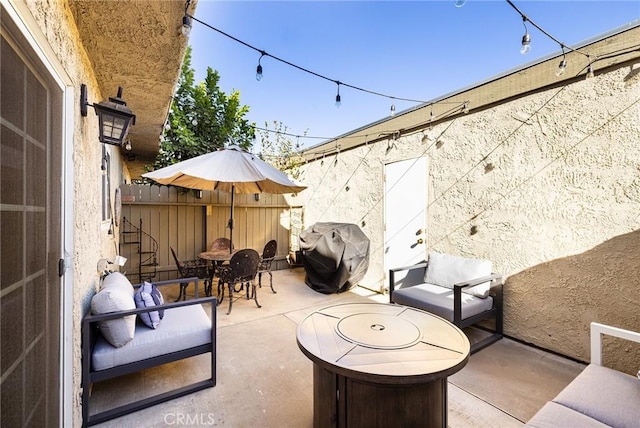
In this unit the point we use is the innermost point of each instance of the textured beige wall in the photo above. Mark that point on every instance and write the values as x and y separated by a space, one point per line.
559 213
55 28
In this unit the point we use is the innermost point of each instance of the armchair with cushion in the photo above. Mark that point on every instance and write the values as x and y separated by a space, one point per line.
461 290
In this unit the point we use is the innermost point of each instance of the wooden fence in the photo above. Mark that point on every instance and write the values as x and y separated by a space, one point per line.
188 221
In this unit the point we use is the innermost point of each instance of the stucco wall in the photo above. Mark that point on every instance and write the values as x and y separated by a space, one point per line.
559 213
55 27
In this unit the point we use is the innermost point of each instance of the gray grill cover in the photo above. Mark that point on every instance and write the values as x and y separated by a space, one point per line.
335 256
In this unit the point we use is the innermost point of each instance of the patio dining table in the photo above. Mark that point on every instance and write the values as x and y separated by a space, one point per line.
216 258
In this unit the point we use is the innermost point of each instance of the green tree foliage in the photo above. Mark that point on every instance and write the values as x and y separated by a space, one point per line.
277 149
202 119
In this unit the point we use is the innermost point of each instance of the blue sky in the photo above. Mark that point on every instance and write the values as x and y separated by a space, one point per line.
416 49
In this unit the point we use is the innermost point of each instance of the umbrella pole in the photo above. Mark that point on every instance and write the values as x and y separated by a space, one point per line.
233 191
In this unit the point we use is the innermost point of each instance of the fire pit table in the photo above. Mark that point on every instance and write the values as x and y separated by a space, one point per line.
380 365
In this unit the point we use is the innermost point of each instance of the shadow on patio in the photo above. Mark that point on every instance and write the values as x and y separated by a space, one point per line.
264 380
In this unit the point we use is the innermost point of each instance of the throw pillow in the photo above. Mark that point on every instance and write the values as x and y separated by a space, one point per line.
446 270
117 332
148 296
116 279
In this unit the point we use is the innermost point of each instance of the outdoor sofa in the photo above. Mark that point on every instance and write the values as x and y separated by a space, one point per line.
116 341
598 396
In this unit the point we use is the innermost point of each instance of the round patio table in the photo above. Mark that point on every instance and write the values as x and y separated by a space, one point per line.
380 365
216 258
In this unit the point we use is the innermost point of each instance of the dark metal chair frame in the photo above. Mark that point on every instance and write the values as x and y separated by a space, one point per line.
242 269
415 276
220 244
266 260
89 376
193 268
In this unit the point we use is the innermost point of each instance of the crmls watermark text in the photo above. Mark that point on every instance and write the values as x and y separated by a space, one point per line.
188 419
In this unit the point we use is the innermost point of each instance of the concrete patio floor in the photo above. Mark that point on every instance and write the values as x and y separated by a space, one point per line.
263 380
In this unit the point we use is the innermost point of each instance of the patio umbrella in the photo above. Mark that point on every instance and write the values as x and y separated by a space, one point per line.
229 169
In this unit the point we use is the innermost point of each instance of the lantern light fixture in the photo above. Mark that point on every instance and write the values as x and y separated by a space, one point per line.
114 116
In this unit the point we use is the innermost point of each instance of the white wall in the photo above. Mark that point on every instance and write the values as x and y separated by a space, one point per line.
559 212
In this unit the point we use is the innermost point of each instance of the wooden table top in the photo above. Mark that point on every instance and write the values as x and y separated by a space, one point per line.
383 343
217 256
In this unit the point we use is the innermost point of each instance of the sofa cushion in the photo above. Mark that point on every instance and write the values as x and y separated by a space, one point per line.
116 279
553 415
118 332
610 396
446 270
148 296
183 327
439 300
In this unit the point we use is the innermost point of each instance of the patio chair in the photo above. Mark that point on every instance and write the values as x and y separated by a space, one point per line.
266 260
461 290
242 269
220 244
192 268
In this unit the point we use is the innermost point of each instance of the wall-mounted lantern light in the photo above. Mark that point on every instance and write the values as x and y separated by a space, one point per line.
114 116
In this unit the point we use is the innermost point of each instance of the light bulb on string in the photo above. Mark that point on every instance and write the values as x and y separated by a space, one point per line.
186 25
186 20
393 109
459 3
562 66
338 100
259 67
526 39
589 74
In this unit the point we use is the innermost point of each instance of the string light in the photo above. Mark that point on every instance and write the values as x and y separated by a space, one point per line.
263 53
186 20
526 39
459 3
465 107
393 109
589 74
259 67
338 100
562 66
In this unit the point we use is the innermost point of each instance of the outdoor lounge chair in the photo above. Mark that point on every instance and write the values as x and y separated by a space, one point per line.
183 330
461 290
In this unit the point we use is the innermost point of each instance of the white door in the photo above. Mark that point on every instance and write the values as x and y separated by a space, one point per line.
405 213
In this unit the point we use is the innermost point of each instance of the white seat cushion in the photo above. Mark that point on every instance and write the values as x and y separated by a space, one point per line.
181 328
604 394
446 270
439 300
554 415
